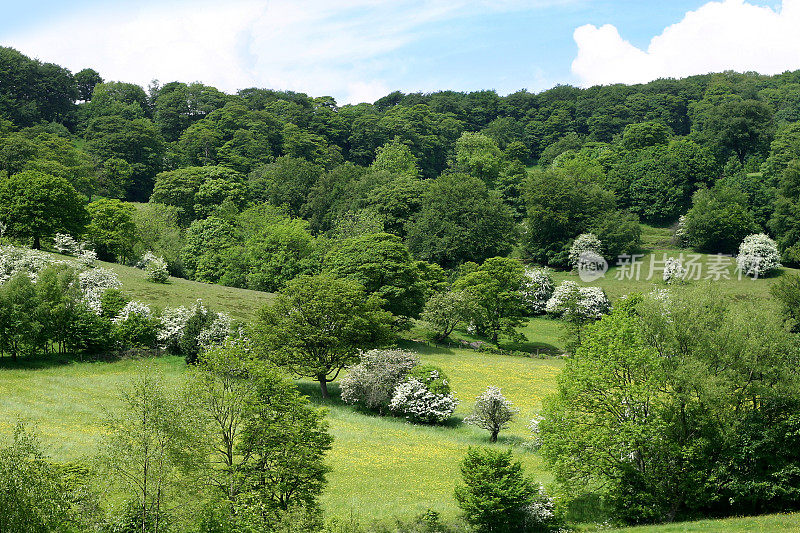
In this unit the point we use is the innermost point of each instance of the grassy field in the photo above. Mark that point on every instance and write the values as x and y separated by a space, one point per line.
241 304
381 466
776 523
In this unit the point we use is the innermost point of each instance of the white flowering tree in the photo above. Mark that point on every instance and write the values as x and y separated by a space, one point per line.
155 267
492 412
674 271
758 255
372 381
572 301
585 243
133 309
94 283
539 288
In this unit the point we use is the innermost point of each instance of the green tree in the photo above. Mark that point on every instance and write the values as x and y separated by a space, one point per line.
147 445
444 311
396 158
494 492
785 221
497 287
36 205
478 155
111 229
319 324
645 134
86 80
719 220
383 265
460 220
184 189
19 327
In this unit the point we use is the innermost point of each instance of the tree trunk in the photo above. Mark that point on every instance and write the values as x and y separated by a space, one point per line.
323 386
493 438
37 243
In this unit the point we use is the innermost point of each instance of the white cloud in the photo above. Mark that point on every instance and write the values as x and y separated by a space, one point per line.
727 35
320 47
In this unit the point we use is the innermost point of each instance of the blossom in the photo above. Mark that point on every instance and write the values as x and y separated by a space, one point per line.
758 255
673 271
584 243
413 400
538 289
133 308
584 302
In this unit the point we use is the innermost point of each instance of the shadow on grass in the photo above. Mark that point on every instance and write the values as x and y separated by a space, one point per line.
44 361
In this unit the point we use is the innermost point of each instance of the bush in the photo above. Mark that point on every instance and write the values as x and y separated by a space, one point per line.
718 220
572 301
674 272
371 382
758 255
413 400
539 288
433 377
136 326
496 497
492 412
585 243
155 267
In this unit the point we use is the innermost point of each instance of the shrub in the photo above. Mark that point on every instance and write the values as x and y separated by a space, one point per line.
155 267
492 412
674 272
433 377
758 255
495 493
94 283
136 326
65 244
539 288
413 400
572 301
584 243
371 382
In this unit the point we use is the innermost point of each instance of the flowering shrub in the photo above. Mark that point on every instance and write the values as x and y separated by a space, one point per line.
372 381
14 260
681 237
94 283
673 271
216 333
536 435
432 377
65 244
413 400
758 255
492 412
133 308
573 301
87 258
173 323
155 267
539 514
538 289
583 244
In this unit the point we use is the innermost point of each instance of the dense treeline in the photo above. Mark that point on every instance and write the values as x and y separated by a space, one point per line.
447 172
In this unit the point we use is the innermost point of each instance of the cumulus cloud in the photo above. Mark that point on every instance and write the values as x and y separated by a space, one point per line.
316 46
727 35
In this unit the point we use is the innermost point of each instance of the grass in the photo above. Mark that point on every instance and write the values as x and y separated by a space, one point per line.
380 466
775 523
241 304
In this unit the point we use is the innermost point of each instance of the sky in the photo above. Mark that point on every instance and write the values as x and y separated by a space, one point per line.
360 50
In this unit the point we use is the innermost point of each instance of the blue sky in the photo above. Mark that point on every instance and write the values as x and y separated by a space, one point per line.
358 50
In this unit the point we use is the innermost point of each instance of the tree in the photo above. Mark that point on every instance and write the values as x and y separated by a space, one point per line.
492 412
460 221
286 182
478 155
35 495
498 289
785 221
19 327
318 325
560 207
36 205
444 311
181 188
147 444
111 229
372 381
645 134
86 80
158 231
495 491
396 158
719 220
382 264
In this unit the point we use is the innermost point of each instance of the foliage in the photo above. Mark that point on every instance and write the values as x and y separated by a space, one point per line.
539 288
758 255
584 244
623 426
459 221
414 400
498 287
492 412
719 220
36 205
495 491
111 229
433 377
382 264
445 311
157 231
318 325
155 267
372 381
785 222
